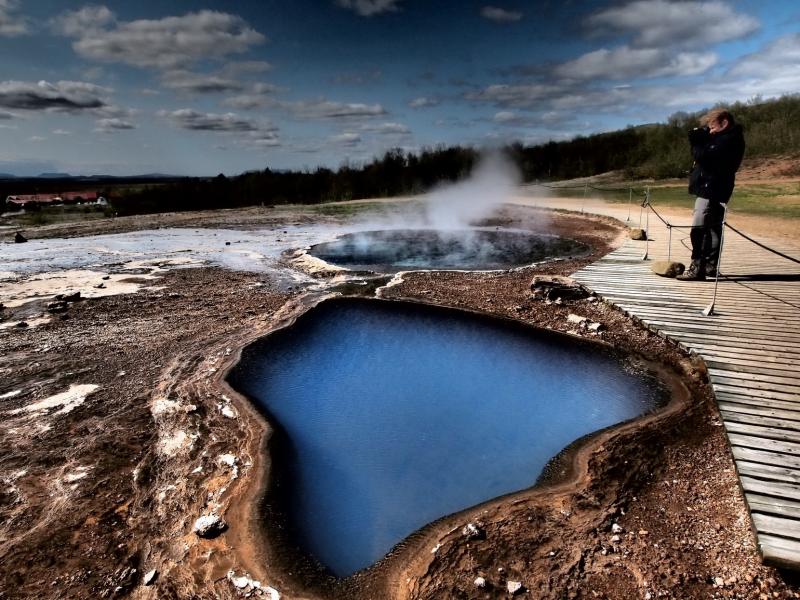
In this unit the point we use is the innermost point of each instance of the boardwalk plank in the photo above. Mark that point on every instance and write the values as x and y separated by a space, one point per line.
751 346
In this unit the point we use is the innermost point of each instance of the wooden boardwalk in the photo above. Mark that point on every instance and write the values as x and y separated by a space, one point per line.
751 346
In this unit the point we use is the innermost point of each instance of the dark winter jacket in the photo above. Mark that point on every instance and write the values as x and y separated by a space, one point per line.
716 159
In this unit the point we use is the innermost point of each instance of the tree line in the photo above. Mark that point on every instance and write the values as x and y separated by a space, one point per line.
646 151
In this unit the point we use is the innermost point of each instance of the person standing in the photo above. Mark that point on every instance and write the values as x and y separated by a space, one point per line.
717 150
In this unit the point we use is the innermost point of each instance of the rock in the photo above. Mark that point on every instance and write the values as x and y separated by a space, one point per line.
19 238
557 287
514 587
473 531
667 268
74 297
572 318
100 286
106 277
719 581
617 528
21 325
615 539
150 577
638 234
56 307
227 243
209 526
595 327
480 582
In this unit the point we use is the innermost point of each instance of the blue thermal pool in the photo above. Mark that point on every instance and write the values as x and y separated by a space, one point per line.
395 250
394 415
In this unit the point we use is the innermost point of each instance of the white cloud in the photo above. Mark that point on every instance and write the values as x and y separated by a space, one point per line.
505 116
424 102
199 83
37 138
779 57
186 118
368 8
113 124
663 23
517 96
500 15
61 132
84 21
259 96
326 109
625 62
387 129
168 43
6 115
11 25
347 138
245 67
64 96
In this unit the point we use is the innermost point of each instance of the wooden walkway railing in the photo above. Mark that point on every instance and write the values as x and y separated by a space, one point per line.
751 345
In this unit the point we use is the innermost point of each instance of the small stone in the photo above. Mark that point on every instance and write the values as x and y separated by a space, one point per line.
615 539
472 531
667 268
227 243
595 327
150 577
209 526
514 587
617 528
638 234
56 307
719 581
100 286
573 318
106 277
554 287
19 238
480 582
643 532
22 324
74 297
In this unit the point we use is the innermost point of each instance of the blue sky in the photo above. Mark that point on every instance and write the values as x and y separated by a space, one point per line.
200 88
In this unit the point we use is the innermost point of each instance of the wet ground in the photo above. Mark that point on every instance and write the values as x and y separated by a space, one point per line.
118 432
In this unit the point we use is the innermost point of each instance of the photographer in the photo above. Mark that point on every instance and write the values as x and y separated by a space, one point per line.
717 149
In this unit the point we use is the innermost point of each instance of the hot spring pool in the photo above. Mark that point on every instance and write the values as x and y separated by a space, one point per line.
393 415
469 249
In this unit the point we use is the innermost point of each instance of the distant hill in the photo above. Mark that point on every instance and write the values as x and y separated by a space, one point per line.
53 176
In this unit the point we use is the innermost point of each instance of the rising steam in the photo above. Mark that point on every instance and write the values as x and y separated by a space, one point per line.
460 205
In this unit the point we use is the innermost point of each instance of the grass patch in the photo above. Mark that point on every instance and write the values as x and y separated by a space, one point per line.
56 215
774 200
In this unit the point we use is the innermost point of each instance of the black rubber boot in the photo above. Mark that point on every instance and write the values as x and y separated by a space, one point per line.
695 272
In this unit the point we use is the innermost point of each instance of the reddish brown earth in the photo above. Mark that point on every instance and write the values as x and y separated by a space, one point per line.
94 498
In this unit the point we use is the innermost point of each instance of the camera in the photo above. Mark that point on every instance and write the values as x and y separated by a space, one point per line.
698 135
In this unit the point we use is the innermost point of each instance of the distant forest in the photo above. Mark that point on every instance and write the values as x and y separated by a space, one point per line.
647 151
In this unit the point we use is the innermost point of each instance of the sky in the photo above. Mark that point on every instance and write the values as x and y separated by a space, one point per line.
200 88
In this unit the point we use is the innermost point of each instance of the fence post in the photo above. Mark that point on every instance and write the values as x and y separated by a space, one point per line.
630 200
585 190
645 206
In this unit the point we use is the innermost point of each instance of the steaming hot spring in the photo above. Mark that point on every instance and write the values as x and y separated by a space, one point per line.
468 249
447 233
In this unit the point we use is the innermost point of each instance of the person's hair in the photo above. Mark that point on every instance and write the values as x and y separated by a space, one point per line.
717 115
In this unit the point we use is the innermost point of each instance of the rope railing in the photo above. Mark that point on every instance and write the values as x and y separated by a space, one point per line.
647 204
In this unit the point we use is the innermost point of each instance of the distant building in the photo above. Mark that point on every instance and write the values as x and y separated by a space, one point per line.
83 197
